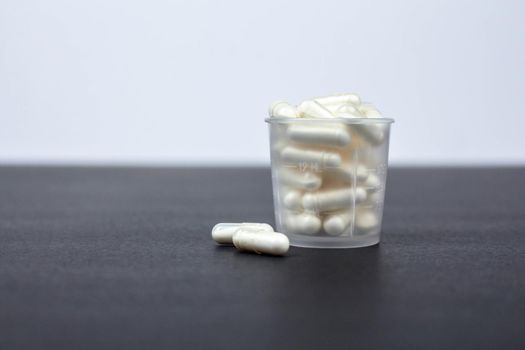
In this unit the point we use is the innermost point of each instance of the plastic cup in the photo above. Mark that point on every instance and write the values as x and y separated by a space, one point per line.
328 178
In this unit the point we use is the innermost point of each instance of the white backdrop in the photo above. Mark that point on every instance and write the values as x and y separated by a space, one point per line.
184 82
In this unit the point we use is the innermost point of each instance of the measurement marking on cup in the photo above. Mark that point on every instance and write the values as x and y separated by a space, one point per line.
305 166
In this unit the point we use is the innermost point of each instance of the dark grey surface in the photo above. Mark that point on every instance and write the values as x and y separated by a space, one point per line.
122 258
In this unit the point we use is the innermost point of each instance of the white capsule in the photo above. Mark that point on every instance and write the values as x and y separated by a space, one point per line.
223 232
336 135
319 159
369 111
283 109
338 100
366 220
313 109
292 200
302 180
303 224
333 199
348 111
351 173
260 241
373 183
336 224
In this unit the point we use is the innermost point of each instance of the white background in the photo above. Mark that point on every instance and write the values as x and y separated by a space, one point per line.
189 82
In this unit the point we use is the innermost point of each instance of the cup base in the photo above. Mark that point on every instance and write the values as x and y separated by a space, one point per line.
333 242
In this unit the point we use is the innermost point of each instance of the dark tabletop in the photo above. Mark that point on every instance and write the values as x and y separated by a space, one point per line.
96 258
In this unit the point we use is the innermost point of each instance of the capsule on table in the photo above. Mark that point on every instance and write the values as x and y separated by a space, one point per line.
260 241
336 224
323 201
222 233
321 159
302 180
303 223
283 109
313 109
336 135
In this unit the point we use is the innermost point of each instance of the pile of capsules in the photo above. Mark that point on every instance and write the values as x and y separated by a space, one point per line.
328 179
328 174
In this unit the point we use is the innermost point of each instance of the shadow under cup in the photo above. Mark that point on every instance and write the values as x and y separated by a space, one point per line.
328 178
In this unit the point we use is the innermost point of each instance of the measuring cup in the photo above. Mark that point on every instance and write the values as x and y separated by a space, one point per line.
328 178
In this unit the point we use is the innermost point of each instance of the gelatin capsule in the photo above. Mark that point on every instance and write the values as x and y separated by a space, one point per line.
336 224
313 109
260 241
292 200
366 220
333 199
339 99
223 232
315 134
304 223
373 183
282 109
369 111
348 111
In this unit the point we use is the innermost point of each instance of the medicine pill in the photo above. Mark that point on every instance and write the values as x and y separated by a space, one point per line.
348 111
373 183
369 111
336 224
222 233
333 199
366 220
319 159
260 241
338 100
304 180
293 200
319 134
303 223
283 109
313 109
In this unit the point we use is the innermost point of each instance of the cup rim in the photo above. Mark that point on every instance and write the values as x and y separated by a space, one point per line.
283 120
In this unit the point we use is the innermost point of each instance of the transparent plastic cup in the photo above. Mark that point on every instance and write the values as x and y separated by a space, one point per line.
329 178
